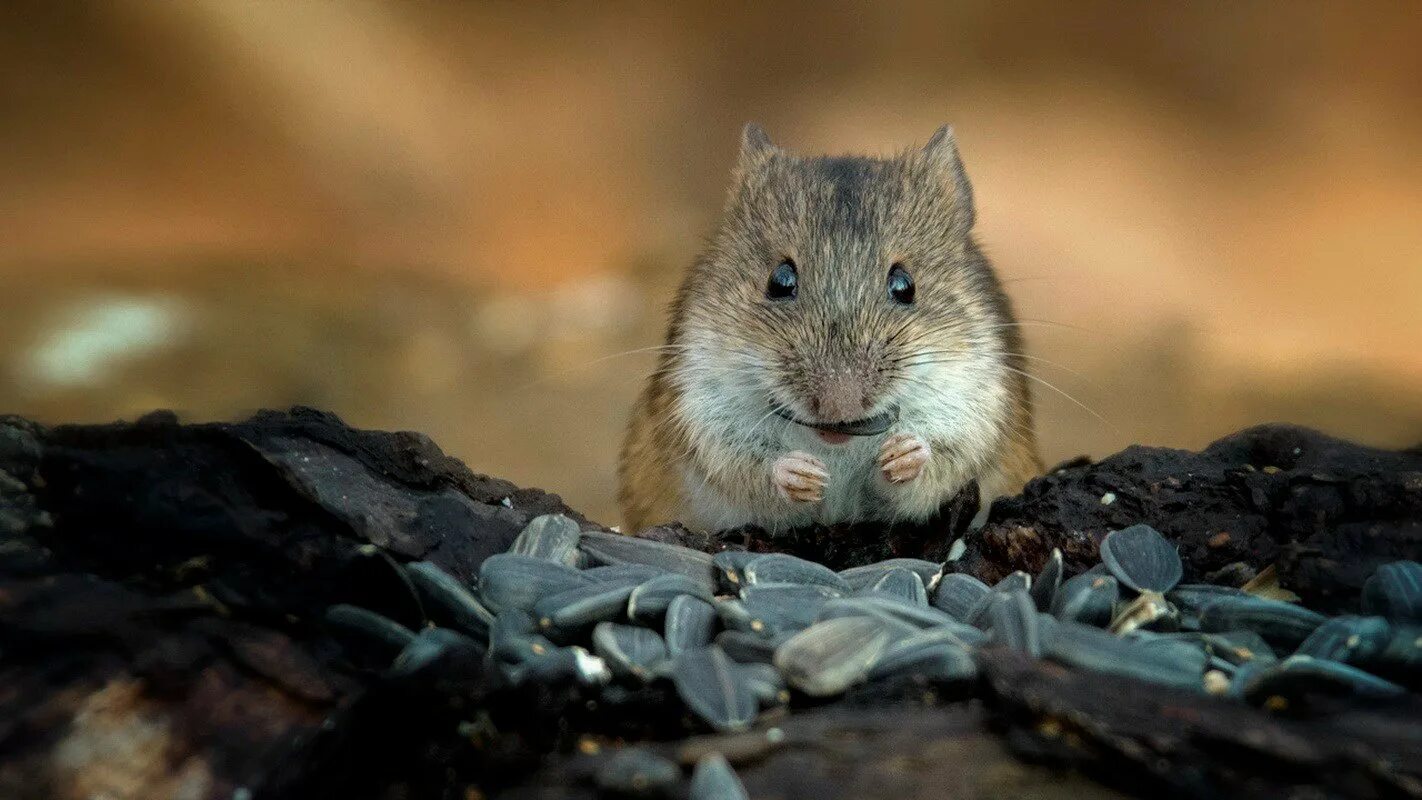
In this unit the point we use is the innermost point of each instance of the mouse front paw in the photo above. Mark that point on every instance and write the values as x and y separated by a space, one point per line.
800 477
903 457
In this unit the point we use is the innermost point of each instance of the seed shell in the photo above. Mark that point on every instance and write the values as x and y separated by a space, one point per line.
551 537
714 779
1141 558
714 689
690 623
829 657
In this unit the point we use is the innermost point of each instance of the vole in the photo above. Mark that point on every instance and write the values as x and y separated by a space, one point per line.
841 351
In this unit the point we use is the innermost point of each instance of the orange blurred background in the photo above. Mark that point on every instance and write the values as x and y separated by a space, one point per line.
451 217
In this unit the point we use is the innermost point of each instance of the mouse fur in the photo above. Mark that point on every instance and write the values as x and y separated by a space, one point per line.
727 431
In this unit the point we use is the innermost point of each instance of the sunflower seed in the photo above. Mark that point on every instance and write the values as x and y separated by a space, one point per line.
1013 622
516 648
1395 591
960 635
1299 675
624 573
1048 581
958 593
828 657
714 689
513 581
735 616
749 648
1167 646
1231 648
569 612
444 593
1149 610
1245 674
614 548
649 602
637 772
690 622
860 577
1087 598
442 647
513 622
940 662
783 568
899 584
551 537
766 683
1195 596
729 565
777 608
1348 639
1142 559
900 616
1239 646
363 626
1085 647
1190 599
561 665
628 650
714 779
957 549
1402 657
1281 624
1013 582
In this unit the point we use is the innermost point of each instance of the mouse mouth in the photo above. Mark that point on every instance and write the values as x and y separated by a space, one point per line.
868 426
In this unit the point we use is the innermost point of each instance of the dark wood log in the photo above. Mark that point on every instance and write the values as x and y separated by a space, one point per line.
1325 511
162 588
1328 512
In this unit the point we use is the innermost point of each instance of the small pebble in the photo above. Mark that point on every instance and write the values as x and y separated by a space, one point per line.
1216 682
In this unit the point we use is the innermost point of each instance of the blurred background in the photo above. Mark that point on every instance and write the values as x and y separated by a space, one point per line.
452 217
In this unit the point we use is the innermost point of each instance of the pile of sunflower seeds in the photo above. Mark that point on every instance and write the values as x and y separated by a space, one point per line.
737 633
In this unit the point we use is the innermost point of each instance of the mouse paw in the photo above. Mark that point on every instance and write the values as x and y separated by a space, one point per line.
903 457
799 477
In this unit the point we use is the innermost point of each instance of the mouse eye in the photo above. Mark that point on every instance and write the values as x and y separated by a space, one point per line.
784 282
900 285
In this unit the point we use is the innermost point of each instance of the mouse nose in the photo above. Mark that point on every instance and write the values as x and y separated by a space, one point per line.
840 398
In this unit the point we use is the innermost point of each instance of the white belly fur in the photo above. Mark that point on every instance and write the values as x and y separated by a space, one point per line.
849 495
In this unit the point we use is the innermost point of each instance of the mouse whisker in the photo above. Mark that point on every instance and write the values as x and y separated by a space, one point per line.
1084 407
1062 367
1046 323
922 353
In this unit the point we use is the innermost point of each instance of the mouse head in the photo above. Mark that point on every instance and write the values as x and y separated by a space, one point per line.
840 291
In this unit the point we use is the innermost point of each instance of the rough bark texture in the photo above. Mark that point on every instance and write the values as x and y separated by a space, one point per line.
161 588
1327 511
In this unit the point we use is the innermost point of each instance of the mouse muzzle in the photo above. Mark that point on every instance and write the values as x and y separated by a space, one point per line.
867 426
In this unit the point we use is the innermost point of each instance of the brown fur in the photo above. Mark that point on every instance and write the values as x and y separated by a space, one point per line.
698 443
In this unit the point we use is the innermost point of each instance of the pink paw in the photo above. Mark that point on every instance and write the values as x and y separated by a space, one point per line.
800 477
903 457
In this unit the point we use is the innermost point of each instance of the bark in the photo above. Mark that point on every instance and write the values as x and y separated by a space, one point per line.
162 588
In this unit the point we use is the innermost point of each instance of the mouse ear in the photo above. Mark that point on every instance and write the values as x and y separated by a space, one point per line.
942 155
756 147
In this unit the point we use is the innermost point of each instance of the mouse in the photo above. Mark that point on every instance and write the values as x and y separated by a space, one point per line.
840 351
